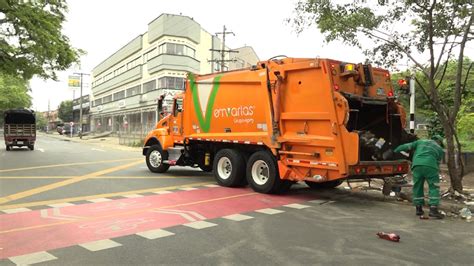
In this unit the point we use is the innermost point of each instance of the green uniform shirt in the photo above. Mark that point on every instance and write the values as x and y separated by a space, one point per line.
427 152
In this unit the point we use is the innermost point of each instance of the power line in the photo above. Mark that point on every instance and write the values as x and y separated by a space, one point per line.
223 51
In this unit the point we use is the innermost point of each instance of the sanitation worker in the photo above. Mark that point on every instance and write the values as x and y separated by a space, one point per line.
427 155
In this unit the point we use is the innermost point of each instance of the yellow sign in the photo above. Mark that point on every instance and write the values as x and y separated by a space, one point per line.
74 82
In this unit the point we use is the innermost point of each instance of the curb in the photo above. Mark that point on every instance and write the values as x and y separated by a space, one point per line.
87 142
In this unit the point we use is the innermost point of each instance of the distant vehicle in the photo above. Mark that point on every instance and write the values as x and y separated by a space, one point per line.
20 128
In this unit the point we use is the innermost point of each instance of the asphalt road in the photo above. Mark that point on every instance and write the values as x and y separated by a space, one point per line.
76 204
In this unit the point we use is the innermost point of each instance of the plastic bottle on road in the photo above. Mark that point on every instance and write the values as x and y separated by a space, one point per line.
389 236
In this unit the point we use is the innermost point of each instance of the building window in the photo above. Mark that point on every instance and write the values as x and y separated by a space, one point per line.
107 99
172 83
97 102
119 95
149 86
133 91
177 49
149 55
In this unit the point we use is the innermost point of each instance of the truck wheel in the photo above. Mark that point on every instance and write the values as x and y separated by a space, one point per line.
31 147
263 176
229 168
154 159
324 185
8 147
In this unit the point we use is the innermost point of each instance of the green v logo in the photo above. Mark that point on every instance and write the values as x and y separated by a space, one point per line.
203 99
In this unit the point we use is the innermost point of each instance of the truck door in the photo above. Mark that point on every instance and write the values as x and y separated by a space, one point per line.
177 125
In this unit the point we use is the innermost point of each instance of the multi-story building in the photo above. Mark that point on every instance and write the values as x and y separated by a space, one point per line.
126 85
76 112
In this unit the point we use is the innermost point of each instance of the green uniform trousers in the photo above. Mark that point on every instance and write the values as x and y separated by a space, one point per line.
431 175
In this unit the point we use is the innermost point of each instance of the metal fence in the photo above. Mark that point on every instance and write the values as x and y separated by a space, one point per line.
133 128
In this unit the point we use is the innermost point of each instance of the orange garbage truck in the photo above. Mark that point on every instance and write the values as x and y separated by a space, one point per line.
281 121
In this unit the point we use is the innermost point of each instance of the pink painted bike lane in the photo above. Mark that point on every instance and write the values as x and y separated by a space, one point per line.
42 230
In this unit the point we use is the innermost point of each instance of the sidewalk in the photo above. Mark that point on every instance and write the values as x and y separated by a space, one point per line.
103 142
450 206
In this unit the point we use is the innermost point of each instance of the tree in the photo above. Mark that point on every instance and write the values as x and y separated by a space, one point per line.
13 93
432 31
65 111
41 121
31 41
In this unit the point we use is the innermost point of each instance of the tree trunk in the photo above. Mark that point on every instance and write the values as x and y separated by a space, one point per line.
453 165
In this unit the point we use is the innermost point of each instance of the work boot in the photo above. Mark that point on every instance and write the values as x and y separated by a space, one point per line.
419 210
434 212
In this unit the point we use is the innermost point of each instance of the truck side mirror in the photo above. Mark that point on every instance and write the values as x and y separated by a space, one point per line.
160 107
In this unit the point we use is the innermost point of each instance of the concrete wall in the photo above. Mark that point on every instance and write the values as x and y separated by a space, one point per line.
132 47
129 75
173 25
173 62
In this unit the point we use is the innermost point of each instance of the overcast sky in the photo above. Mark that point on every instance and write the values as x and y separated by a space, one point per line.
101 27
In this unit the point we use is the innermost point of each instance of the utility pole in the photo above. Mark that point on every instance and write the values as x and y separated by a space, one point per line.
412 104
223 51
80 101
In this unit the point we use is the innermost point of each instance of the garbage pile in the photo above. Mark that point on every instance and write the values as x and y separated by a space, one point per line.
374 148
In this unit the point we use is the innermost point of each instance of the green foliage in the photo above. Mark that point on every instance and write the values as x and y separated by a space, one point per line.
352 21
434 126
31 41
13 93
65 111
41 121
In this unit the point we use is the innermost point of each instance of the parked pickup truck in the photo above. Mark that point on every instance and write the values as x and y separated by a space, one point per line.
20 128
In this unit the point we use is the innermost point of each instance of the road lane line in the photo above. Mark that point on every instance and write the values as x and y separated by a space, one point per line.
100 245
154 234
237 217
200 224
95 149
66 182
32 258
16 210
96 196
269 211
94 218
63 165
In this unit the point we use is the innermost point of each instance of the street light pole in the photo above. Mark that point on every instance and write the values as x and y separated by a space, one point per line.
80 101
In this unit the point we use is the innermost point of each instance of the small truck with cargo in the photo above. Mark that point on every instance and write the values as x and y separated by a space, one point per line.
19 128
282 121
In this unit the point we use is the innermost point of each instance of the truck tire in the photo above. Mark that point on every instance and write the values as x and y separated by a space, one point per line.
8 148
324 185
154 159
263 175
229 168
31 147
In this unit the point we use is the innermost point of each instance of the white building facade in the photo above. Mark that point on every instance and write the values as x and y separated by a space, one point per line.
126 85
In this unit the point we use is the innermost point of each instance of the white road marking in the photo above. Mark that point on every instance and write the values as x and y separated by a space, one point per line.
318 201
99 200
16 210
41 150
32 258
162 192
132 196
269 211
57 215
154 234
297 206
95 149
237 217
59 205
187 188
212 185
100 245
200 224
